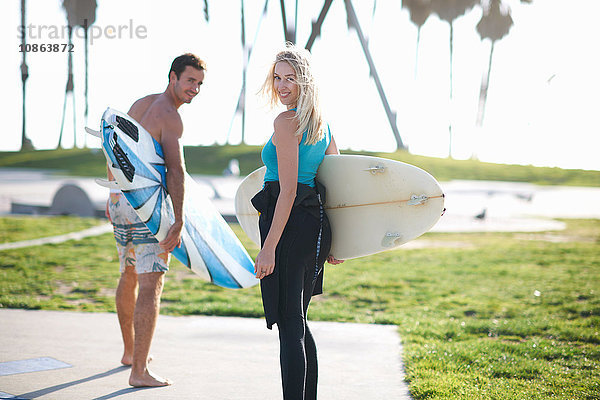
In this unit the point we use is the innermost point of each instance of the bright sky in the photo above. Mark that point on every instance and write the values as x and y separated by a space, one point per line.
542 102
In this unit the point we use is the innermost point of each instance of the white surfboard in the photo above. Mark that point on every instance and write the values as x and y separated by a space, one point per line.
373 204
209 247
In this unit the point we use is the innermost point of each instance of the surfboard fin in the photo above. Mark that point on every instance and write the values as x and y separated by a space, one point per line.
107 184
378 169
92 132
391 239
417 200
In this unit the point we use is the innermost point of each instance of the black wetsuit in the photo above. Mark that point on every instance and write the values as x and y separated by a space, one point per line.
298 275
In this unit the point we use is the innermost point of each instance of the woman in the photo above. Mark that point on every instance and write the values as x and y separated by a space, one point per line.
295 232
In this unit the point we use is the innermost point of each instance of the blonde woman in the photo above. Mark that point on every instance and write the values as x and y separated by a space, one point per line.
295 232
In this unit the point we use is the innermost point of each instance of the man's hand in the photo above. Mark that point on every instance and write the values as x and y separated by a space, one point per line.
173 238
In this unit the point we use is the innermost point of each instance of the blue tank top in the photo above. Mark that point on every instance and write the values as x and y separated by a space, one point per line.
309 159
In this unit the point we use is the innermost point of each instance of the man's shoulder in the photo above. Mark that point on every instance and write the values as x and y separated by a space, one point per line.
144 102
157 106
170 120
140 106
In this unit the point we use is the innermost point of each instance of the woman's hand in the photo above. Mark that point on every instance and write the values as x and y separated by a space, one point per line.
334 261
265 263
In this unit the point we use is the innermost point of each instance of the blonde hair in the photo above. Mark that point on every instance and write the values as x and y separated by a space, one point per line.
308 108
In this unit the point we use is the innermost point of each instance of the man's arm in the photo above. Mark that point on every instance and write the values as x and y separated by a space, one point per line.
173 152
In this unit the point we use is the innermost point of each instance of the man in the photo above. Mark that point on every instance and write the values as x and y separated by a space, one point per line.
144 261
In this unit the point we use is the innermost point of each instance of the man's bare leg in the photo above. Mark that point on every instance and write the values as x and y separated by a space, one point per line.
125 301
145 315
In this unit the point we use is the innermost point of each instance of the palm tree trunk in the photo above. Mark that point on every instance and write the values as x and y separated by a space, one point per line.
353 22
417 51
247 51
451 55
245 67
85 115
69 88
74 120
25 144
485 83
62 124
451 87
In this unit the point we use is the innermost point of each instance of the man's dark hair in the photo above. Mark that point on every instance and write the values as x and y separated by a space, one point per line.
179 64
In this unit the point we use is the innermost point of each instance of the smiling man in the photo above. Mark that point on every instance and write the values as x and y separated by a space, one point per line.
143 260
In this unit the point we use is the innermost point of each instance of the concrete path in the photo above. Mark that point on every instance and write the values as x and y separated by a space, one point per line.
76 356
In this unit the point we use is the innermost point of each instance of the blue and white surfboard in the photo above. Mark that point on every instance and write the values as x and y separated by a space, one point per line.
209 247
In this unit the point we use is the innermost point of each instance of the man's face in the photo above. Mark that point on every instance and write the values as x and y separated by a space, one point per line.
188 84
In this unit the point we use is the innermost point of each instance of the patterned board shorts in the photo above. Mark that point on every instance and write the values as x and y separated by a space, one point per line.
136 245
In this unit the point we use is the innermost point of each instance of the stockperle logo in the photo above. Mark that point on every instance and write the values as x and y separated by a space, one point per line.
61 32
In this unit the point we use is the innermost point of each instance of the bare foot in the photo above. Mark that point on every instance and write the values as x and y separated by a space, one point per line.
128 360
148 379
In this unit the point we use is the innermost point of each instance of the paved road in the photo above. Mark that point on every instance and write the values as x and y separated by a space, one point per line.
207 358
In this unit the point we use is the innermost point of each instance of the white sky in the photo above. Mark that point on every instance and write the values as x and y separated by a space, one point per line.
530 118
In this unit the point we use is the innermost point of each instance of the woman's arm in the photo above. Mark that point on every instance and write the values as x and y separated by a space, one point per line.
332 148
286 144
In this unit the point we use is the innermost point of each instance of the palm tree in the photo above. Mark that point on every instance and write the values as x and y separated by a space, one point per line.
206 15
494 25
449 10
79 13
247 53
25 142
419 11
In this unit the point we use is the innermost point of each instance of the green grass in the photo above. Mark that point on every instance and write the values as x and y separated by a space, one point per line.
18 228
504 316
214 159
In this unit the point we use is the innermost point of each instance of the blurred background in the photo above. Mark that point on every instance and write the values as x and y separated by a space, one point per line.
500 81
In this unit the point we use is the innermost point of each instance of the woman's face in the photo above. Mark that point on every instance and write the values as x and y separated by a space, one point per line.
284 82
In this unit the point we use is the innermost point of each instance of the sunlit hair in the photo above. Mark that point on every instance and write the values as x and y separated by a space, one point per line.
308 108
